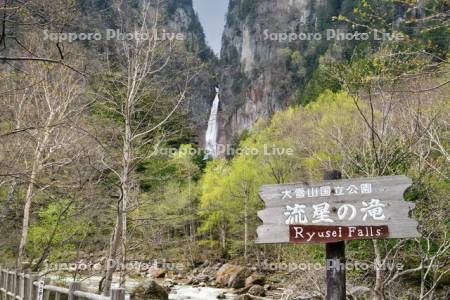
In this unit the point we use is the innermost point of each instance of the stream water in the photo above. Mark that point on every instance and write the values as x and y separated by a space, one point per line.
183 292
178 292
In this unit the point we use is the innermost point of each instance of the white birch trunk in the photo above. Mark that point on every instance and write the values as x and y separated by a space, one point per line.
36 167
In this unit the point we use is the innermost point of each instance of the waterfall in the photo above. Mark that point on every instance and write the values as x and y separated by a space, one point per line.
213 129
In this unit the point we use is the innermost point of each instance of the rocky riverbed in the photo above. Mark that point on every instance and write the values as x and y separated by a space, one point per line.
210 281
177 292
213 281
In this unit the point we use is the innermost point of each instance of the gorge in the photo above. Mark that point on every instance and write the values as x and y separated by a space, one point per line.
260 76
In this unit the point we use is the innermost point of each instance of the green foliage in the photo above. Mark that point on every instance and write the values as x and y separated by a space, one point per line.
318 84
229 189
424 29
182 206
169 199
328 133
229 200
57 229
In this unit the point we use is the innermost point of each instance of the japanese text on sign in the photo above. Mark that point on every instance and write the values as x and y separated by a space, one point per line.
297 214
326 191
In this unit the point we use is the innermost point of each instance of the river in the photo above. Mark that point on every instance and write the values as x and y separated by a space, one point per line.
178 292
183 292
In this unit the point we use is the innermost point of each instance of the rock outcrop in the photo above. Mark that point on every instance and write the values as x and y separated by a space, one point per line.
177 16
232 276
255 279
149 290
157 272
257 290
262 70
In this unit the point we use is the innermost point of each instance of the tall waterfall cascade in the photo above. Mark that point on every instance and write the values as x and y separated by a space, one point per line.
213 130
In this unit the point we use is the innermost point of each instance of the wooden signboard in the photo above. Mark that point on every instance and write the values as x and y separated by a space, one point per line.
336 210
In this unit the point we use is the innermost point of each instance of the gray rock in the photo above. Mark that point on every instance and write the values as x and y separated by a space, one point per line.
228 273
149 290
237 280
202 278
221 296
157 272
205 264
193 281
244 290
255 278
257 290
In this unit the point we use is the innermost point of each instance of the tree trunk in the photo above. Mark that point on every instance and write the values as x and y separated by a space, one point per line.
420 9
119 240
192 228
126 182
111 264
36 167
246 228
379 287
26 216
223 239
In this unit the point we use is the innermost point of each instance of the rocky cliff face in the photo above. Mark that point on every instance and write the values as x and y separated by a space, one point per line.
269 54
263 68
178 16
265 63
182 17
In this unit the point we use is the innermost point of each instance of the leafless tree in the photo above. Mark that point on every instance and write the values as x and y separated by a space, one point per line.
22 20
41 114
145 97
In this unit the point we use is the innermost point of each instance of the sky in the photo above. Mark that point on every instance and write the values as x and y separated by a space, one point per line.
212 16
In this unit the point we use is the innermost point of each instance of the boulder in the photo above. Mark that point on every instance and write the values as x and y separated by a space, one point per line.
224 273
221 296
232 276
255 278
169 283
157 272
244 290
202 278
210 271
178 277
237 279
205 264
149 290
257 290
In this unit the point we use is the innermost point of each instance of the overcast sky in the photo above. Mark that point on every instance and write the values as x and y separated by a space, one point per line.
212 16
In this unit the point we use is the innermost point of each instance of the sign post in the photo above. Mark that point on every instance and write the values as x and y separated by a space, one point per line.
334 211
335 258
